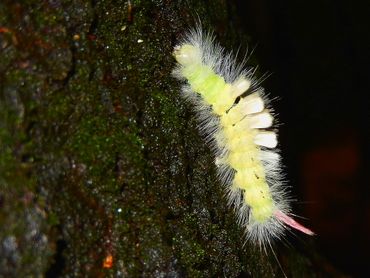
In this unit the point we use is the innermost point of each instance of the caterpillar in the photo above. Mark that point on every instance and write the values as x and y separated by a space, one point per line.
238 126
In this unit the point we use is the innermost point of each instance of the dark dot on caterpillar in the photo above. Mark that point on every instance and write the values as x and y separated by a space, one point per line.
257 176
250 91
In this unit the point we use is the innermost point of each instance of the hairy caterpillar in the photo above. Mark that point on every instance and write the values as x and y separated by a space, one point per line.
233 119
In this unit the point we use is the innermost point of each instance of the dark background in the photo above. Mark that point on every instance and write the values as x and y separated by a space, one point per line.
318 54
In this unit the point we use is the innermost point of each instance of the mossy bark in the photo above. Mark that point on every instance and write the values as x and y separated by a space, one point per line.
101 159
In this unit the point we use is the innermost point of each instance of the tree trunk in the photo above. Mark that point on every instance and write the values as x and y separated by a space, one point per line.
102 169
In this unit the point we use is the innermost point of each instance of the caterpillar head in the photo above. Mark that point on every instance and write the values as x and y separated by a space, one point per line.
187 54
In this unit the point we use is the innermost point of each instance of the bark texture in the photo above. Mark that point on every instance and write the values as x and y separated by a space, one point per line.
102 170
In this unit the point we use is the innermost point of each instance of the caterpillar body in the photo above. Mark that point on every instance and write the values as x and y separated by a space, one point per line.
238 127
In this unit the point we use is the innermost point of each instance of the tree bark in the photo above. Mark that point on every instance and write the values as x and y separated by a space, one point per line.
102 169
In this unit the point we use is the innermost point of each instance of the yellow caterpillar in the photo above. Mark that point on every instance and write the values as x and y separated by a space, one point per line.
236 123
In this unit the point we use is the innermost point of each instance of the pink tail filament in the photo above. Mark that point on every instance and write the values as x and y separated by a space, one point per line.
292 223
